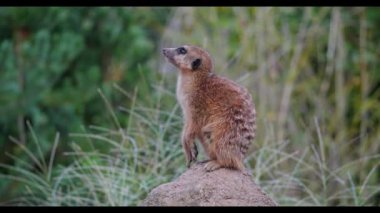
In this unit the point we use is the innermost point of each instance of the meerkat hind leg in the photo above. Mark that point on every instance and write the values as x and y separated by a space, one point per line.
212 165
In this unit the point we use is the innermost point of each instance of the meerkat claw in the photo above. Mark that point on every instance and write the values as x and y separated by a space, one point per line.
203 161
246 172
188 164
211 166
194 153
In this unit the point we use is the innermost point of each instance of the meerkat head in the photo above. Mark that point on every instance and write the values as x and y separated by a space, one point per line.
189 59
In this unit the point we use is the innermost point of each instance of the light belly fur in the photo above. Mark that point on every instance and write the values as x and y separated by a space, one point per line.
182 97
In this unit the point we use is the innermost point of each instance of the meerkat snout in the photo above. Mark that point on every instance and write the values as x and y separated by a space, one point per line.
167 52
170 53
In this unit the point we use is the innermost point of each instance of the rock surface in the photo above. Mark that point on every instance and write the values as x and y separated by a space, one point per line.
222 187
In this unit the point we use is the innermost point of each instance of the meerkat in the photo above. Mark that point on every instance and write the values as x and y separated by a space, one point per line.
216 110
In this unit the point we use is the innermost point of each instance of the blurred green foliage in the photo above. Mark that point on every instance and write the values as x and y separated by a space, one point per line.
53 60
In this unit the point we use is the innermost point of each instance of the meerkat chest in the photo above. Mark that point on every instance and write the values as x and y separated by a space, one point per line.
183 94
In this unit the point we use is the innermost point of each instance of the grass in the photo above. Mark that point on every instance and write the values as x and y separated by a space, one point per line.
148 153
122 175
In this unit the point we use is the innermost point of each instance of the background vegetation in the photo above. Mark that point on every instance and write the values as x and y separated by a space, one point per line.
88 114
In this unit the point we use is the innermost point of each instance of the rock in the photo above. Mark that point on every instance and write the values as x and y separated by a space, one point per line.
222 187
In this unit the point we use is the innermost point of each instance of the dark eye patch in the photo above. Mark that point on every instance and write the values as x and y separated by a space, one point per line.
181 50
196 63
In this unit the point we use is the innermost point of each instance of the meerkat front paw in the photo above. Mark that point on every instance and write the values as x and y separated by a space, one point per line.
192 156
194 152
203 161
212 165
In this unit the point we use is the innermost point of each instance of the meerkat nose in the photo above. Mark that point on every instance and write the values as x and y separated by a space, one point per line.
165 51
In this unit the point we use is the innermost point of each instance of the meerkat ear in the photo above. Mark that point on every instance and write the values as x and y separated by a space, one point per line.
196 63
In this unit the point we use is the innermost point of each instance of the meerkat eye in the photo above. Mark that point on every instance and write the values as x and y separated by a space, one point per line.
181 50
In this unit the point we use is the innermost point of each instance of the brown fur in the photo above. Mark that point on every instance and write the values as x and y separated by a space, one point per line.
216 110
